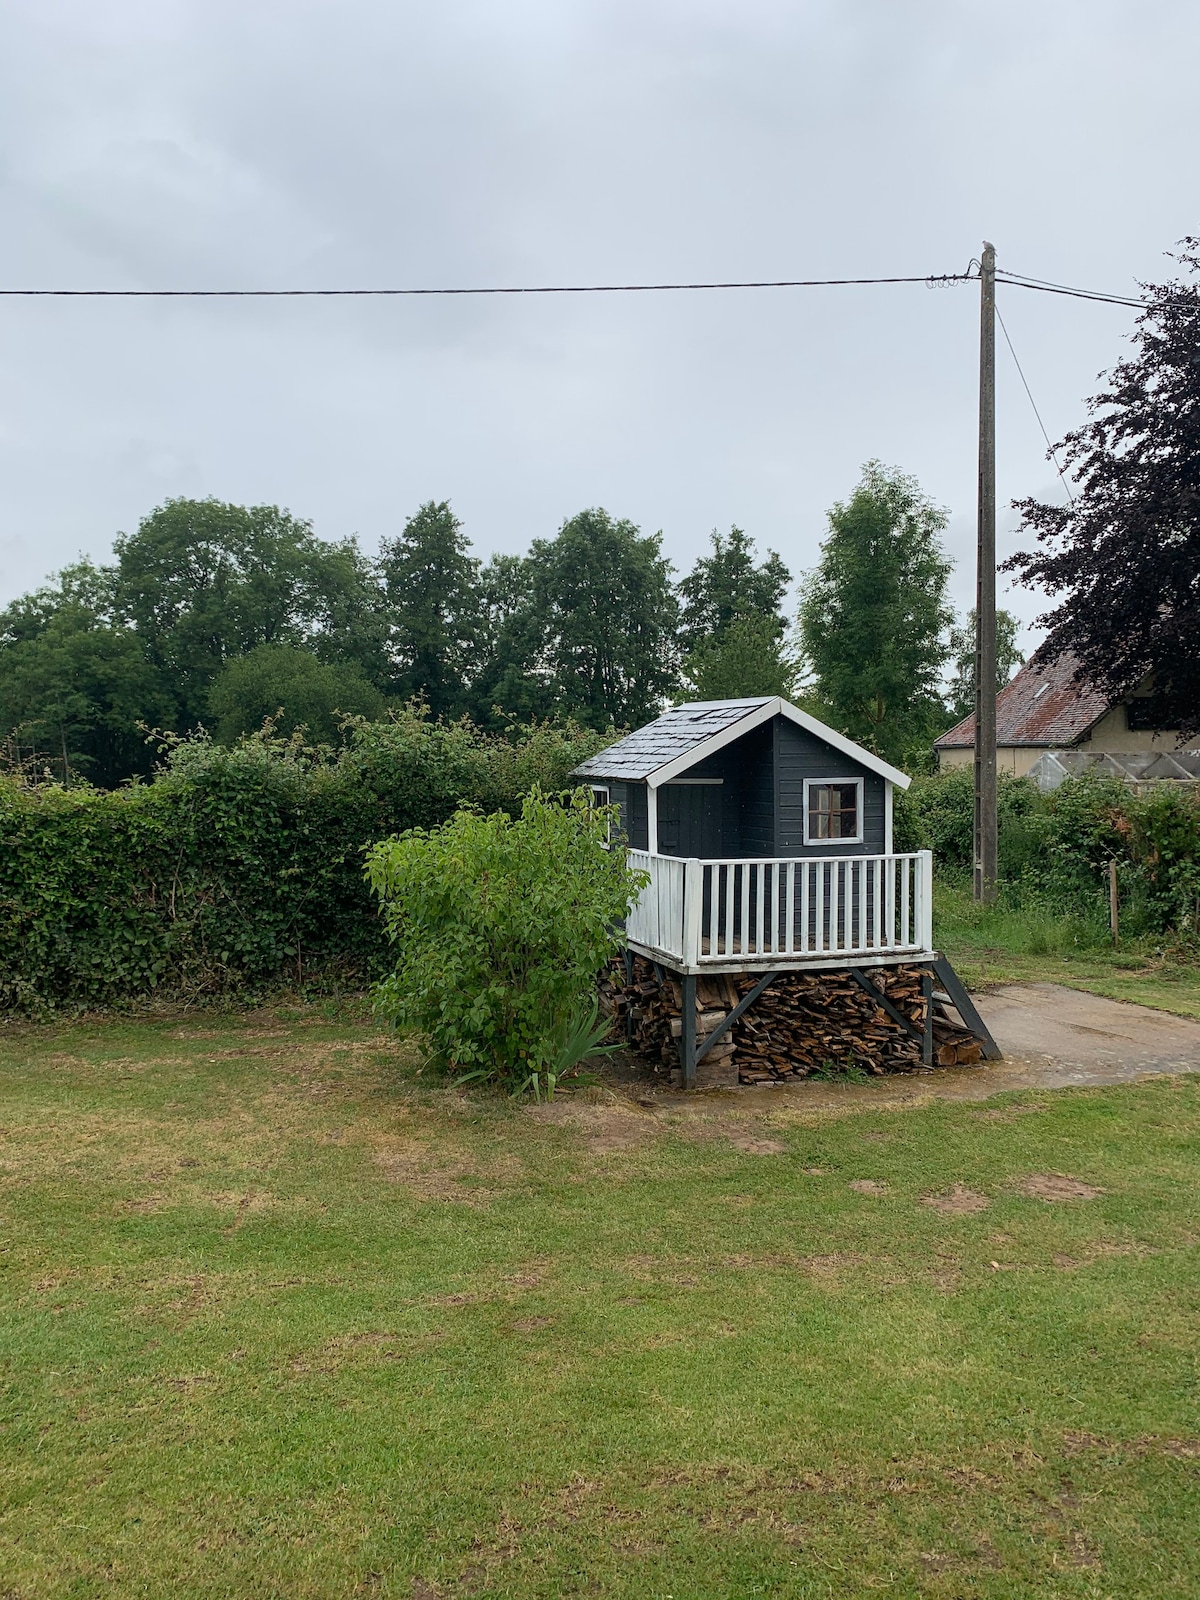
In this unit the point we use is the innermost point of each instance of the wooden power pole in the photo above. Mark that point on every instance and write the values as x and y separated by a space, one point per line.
985 592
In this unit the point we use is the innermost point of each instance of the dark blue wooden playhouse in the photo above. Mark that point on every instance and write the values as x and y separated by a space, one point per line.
767 838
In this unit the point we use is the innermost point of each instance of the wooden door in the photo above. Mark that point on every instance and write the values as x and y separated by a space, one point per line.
689 820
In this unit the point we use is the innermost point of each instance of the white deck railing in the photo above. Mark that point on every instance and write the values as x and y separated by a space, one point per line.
756 912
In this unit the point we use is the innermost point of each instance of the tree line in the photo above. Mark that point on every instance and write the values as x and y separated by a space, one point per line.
221 616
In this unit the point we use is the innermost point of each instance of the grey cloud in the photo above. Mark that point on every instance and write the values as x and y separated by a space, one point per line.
357 141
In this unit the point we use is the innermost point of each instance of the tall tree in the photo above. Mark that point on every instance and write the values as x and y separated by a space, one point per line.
75 683
874 614
513 680
202 581
746 658
727 585
732 625
433 605
291 686
1125 554
604 602
961 694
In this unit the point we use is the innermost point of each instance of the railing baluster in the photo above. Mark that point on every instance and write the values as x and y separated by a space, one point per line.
889 909
905 899
789 912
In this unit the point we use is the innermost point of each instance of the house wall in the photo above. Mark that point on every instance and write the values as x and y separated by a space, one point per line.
1112 734
762 793
800 755
633 803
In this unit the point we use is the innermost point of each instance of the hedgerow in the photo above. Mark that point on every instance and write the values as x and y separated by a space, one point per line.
238 869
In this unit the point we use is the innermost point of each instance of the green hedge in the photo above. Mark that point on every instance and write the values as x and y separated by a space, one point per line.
1055 849
238 869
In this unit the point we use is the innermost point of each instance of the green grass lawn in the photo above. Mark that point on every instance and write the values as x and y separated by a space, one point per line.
280 1319
990 945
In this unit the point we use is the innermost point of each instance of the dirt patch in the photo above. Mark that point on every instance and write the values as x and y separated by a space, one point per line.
869 1186
530 1324
608 1129
1057 1186
830 1266
432 1174
753 1146
958 1201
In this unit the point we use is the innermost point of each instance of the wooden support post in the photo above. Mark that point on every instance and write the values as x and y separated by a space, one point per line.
627 954
985 592
927 998
687 1039
1113 901
963 1004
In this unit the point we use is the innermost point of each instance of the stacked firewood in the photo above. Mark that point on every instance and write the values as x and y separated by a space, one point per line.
652 1012
802 1023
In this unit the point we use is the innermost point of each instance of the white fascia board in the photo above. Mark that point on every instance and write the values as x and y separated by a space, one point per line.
753 719
763 713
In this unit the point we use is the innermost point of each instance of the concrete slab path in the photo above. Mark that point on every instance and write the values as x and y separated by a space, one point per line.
1052 1038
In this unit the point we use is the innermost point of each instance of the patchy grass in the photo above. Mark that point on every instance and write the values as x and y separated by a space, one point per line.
995 944
280 1319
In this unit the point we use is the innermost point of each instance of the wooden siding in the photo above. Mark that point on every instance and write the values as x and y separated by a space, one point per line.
635 817
762 796
800 755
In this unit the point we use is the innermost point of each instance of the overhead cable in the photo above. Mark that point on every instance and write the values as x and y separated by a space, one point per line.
1020 281
1053 453
563 288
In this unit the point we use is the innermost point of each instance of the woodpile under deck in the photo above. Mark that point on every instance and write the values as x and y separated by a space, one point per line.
892 1020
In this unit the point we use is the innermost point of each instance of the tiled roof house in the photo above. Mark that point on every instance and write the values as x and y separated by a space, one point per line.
1044 708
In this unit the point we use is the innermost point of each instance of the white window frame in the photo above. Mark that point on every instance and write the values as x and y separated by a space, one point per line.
596 790
822 783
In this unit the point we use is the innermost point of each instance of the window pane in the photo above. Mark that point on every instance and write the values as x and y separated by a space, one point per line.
833 811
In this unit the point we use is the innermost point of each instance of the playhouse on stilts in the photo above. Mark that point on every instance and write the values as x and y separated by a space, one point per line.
780 931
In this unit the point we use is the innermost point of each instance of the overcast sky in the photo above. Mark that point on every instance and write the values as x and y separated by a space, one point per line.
326 143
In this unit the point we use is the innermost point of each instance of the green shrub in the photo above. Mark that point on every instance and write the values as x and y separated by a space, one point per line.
500 926
1055 849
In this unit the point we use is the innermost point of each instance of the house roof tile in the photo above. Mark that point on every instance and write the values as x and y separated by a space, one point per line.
1043 705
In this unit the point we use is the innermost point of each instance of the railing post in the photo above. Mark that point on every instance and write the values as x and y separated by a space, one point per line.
693 902
924 906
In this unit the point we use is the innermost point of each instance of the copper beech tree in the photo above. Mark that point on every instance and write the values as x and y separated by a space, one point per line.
1124 556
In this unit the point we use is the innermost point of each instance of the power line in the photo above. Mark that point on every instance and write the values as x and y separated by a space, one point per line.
1021 373
1020 281
932 279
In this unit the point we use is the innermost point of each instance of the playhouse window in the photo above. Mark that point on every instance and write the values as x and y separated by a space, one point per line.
833 811
601 797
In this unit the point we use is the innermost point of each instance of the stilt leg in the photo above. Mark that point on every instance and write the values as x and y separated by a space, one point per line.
927 1001
687 1041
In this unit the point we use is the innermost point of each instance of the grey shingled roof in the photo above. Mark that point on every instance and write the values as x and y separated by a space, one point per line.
673 734
1043 705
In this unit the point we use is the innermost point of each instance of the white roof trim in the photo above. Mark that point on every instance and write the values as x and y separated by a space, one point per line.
764 712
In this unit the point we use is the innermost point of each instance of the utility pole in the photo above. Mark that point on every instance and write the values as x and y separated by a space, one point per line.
985 592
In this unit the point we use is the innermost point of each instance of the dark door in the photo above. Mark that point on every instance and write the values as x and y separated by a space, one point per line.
689 820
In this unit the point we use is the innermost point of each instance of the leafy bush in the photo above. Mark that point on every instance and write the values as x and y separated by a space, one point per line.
1055 849
500 926
241 868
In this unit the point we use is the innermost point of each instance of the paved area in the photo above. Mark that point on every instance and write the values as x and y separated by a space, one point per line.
1052 1035
1052 1038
